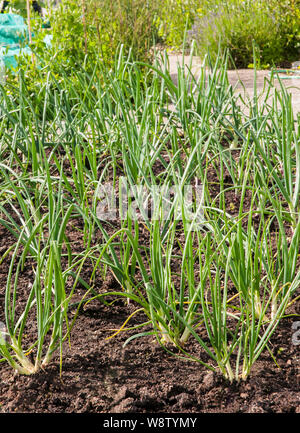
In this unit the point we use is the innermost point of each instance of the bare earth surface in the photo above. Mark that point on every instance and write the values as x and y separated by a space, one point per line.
99 375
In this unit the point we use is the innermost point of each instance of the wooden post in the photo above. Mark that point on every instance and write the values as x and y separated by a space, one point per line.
29 20
29 26
84 25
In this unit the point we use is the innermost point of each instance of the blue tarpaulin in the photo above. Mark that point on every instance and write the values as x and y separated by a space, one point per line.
13 39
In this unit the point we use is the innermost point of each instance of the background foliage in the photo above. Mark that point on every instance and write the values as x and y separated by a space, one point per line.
107 24
273 25
86 38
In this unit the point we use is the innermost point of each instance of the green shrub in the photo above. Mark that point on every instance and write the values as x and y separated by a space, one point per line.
88 44
273 27
174 16
106 25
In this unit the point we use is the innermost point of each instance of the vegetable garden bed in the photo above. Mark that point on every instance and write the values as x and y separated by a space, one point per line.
164 312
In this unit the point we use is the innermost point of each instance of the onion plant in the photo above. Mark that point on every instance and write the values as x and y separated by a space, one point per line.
151 284
185 292
223 279
35 212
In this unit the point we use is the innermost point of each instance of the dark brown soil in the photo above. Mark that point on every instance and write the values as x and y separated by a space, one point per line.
99 375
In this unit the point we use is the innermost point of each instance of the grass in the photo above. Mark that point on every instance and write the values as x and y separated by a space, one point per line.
202 273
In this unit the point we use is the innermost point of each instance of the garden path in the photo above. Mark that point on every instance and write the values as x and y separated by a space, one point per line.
243 80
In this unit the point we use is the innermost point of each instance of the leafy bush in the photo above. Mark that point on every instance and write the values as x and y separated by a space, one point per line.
174 16
273 26
85 38
96 28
